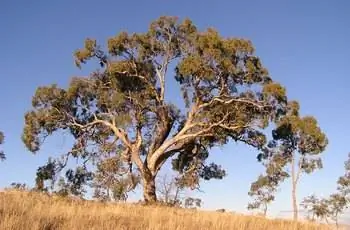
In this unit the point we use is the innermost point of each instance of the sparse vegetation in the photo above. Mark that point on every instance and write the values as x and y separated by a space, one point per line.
333 206
295 149
2 154
34 211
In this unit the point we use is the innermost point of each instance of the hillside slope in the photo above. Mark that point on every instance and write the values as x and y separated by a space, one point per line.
32 211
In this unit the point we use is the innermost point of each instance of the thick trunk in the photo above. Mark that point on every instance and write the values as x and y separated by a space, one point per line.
149 188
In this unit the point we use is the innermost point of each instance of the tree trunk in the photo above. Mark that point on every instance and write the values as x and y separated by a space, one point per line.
294 196
149 188
295 205
265 210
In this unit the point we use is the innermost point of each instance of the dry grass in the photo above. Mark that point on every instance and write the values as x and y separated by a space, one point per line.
31 211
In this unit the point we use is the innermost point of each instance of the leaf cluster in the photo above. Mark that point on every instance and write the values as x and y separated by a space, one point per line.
113 181
2 154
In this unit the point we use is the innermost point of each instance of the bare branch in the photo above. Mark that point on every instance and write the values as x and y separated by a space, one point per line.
120 133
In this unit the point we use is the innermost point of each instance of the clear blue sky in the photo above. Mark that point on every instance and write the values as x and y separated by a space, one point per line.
304 44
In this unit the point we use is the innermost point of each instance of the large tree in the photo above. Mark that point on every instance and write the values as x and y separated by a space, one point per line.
227 95
300 141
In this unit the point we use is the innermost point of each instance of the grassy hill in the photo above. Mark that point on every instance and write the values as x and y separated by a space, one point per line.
32 211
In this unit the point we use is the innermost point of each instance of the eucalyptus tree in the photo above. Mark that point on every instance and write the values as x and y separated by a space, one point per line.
227 95
300 141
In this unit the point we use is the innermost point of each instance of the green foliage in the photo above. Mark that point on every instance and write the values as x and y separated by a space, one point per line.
344 181
72 183
297 144
339 201
44 173
262 190
121 107
192 203
336 204
191 170
301 134
62 188
112 180
19 186
76 179
316 208
325 208
2 137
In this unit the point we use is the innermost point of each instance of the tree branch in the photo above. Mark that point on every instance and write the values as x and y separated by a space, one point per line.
182 136
120 133
159 99
299 169
136 149
218 99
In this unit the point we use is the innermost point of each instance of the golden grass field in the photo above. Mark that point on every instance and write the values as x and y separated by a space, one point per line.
32 211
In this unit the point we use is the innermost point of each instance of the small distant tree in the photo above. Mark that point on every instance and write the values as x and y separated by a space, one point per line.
192 203
301 141
316 208
264 188
221 210
75 181
72 183
62 188
171 191
113 181
337 203
46 174
263 192
340 200
344 181
19 186
2 154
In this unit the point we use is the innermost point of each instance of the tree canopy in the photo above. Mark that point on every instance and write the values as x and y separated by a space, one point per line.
121 108
301 141
295 149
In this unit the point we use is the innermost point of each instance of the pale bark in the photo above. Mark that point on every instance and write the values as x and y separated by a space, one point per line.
295 178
